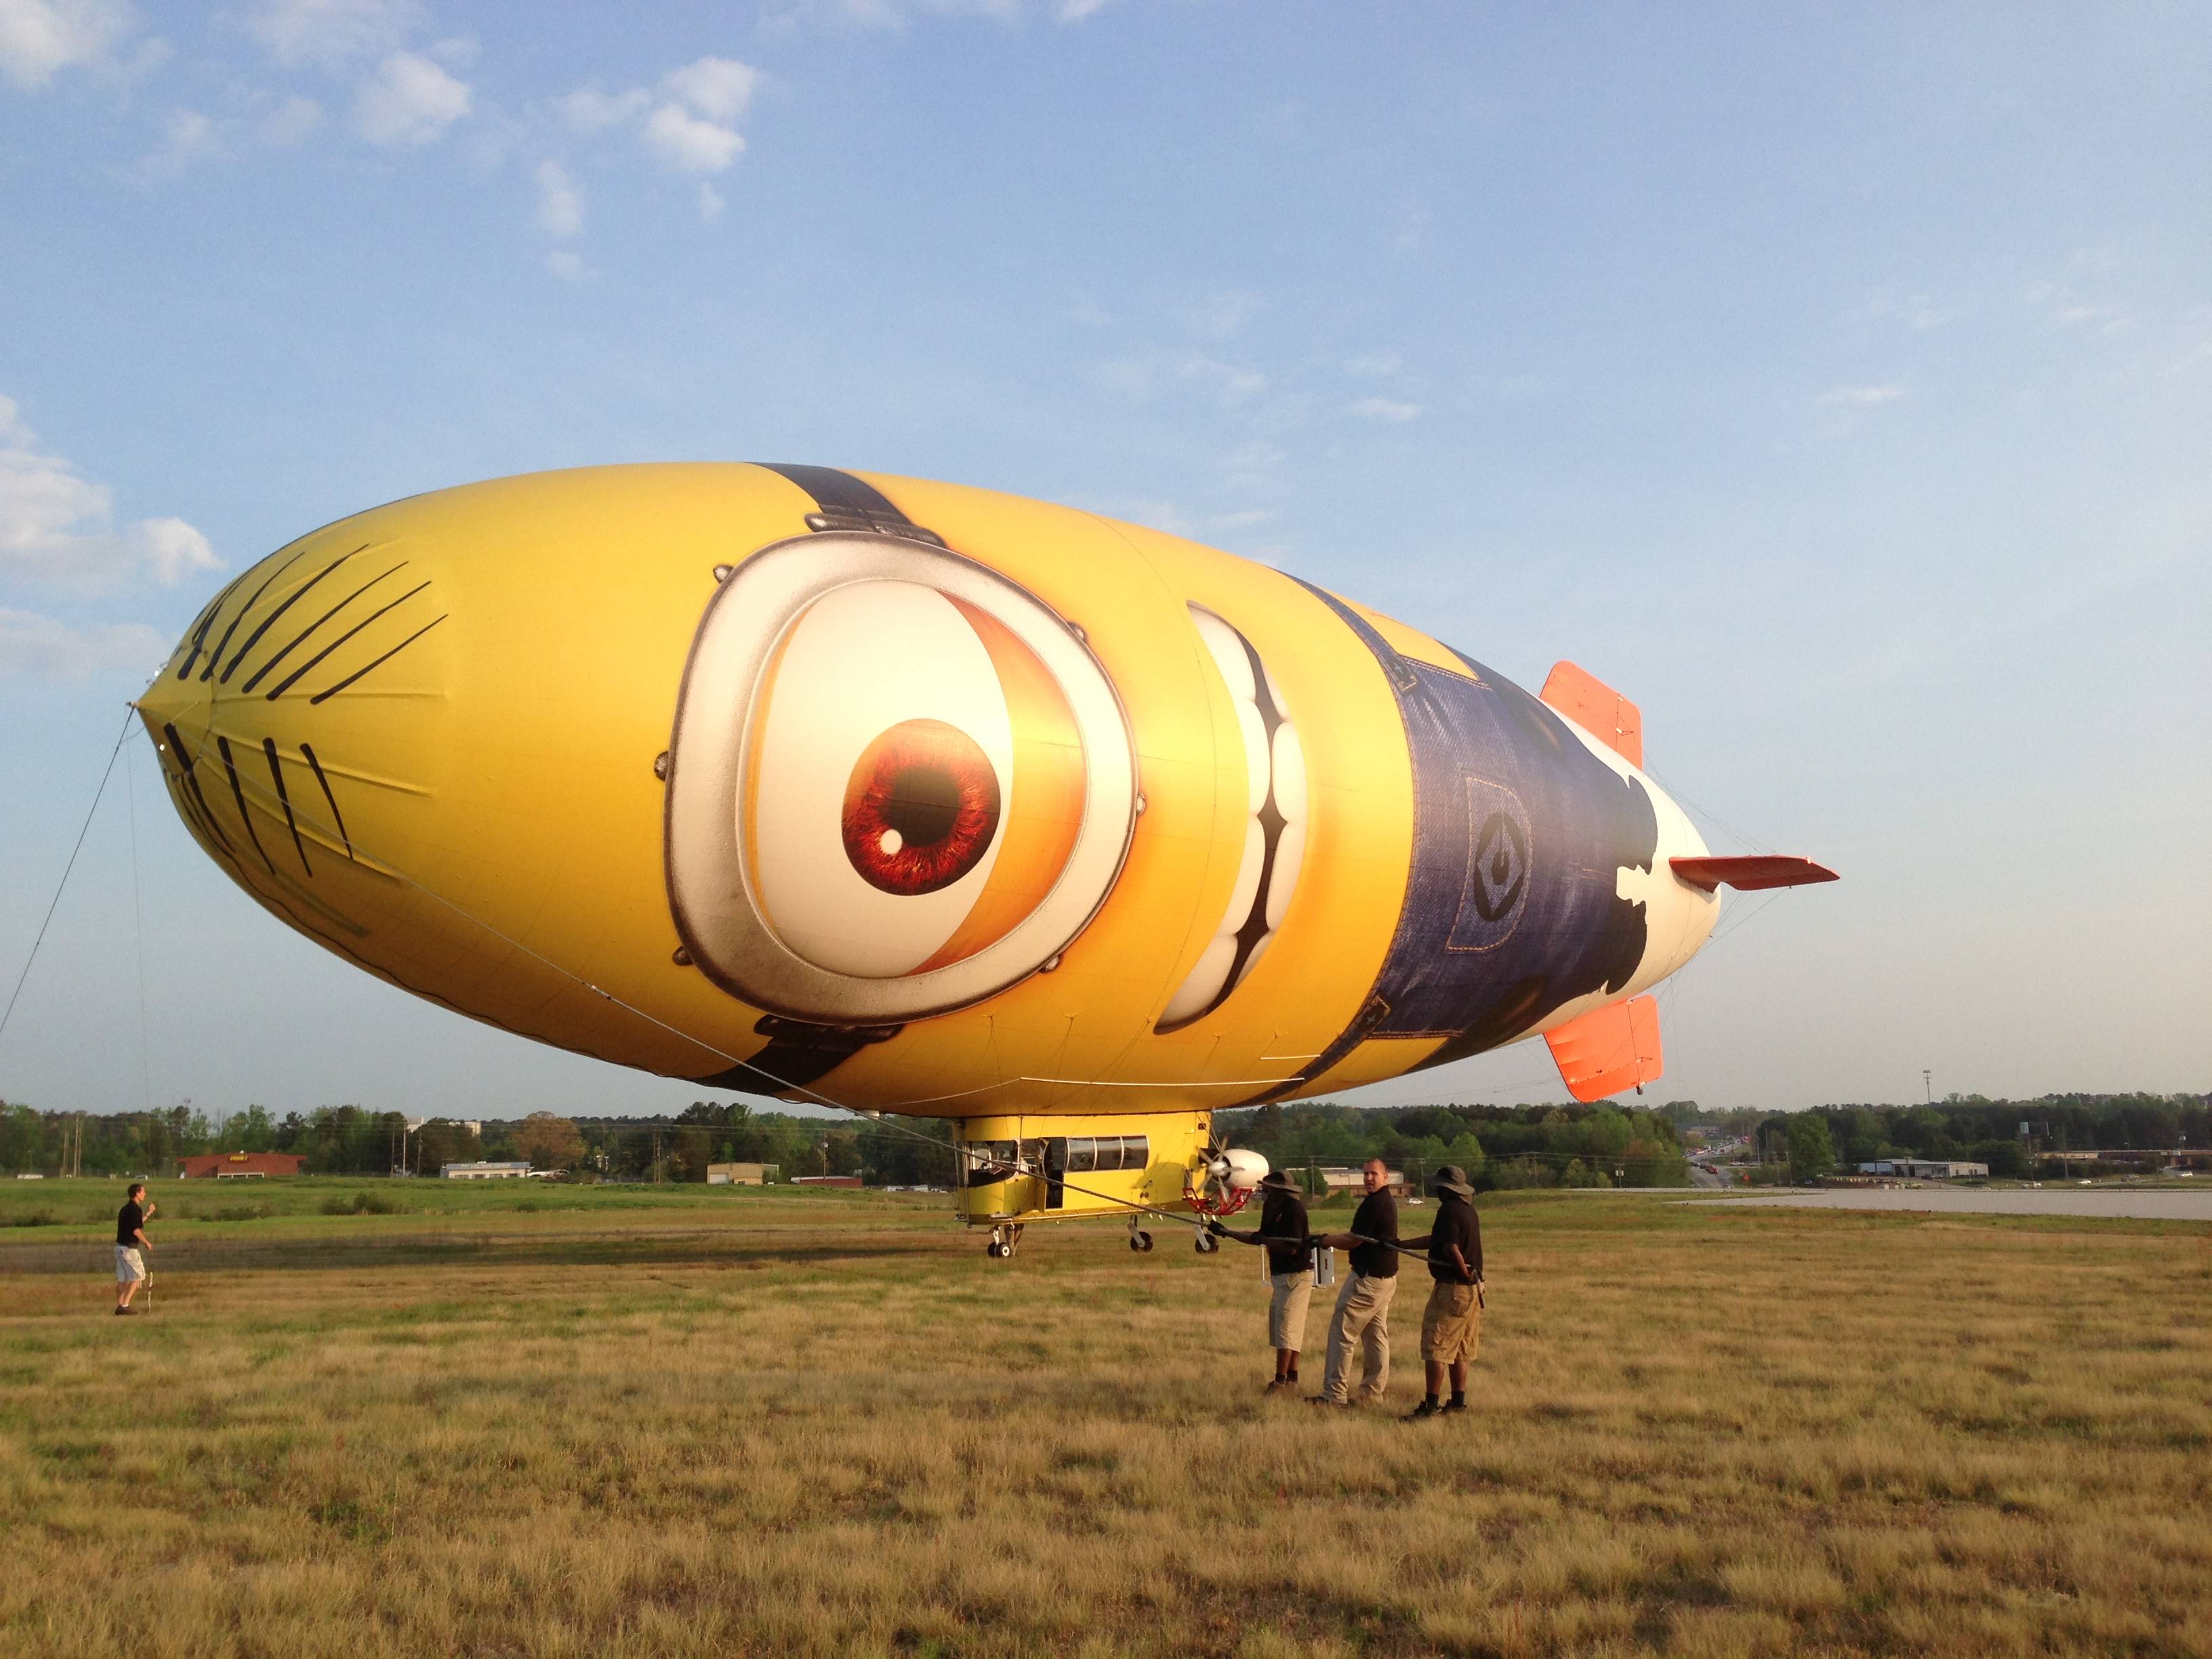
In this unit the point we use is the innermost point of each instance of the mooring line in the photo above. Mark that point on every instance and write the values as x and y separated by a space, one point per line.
57 899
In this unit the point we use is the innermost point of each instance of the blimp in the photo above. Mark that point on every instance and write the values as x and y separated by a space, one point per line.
907 797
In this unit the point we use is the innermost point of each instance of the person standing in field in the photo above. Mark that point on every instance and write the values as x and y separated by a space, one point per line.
1451 1325
1363 1306
1283 1232
131 1239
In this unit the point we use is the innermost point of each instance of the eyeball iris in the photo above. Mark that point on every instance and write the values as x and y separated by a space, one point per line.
921 808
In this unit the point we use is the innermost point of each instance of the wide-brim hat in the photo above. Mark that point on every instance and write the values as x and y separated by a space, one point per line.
1276 1181
1452 1179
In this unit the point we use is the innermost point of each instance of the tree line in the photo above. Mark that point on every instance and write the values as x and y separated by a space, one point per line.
2017 1139
351 1139
1605 1144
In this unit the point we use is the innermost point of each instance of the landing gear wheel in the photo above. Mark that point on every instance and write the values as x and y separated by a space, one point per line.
1207 1243
1140 1242
994 1249
1003 1240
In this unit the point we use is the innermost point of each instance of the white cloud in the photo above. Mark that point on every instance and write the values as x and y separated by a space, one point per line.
1389 410
173 549
589 110
57 526
331 33
688 123
186 137
409 101
1915 311
559 203
689 143
1217 316
47 649
897 14
1138 377
566 264
1861 397
291 121
720 88
39 39
1254 468
1378 364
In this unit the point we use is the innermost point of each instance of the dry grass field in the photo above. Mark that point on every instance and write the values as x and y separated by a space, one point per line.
680 1423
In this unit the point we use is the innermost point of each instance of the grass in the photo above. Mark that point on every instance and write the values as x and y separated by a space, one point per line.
824 1424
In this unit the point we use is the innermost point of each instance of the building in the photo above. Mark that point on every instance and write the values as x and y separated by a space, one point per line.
741 1175
825 1181
1349 1180
515 1171
239 1166
1926 1168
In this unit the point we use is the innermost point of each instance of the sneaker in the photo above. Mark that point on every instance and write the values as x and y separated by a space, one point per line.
1426 1408
1278 1385
120 1311
1323 1400
1450 1406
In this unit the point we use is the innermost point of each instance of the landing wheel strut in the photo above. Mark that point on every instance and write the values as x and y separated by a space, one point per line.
1003 1237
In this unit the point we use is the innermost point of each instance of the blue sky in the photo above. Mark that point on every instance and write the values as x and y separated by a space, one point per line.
1837 382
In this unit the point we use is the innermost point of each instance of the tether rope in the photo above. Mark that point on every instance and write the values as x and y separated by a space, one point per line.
55 903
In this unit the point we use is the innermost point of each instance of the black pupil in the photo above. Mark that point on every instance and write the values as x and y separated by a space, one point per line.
925 801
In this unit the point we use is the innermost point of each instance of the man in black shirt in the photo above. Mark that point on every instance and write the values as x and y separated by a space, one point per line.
1451 1326
1283 1230
1363 1307
130 1239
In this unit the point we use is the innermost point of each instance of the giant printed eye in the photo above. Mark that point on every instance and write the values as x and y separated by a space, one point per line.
898 785
921 809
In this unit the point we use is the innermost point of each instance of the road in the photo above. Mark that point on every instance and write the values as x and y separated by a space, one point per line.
2153 1203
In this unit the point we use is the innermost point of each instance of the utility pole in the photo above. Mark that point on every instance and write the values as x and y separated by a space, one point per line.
1927 1085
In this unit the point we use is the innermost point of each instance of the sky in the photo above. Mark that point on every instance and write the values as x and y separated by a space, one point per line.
1836 381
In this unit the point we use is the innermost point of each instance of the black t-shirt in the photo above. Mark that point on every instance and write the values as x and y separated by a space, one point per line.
1376 1218
1284 1216
128 1220
1455 1225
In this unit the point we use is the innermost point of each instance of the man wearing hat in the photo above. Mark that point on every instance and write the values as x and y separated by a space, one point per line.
1289 1241
1451 1326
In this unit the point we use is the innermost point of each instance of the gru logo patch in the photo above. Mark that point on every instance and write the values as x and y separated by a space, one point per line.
1495 889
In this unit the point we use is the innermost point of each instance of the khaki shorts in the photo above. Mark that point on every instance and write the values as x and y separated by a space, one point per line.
1287 1309
1451 1326
130 1266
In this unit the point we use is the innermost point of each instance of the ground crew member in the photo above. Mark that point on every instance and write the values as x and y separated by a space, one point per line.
130 1239
1363 1306
1289 1242
1451 1326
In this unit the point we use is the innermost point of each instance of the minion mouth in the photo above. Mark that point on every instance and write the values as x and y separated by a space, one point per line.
1274 830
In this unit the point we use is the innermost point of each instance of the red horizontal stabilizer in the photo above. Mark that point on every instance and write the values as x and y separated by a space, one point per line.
1598 709
1749 875
1608 1049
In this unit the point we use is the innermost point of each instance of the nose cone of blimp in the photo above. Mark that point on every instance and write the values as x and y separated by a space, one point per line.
440 738
307 693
